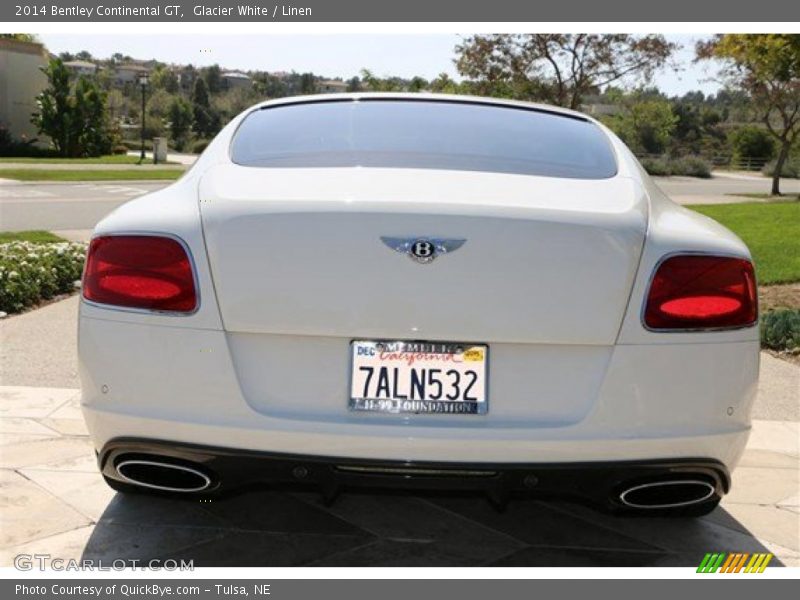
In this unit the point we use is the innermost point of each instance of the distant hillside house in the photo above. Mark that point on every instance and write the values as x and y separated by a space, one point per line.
21 80
129 73
332 86
234 79
81 67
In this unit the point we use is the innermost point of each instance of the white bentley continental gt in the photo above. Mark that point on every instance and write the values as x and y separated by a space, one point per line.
421 291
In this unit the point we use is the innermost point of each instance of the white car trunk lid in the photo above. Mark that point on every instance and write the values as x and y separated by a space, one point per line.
299 252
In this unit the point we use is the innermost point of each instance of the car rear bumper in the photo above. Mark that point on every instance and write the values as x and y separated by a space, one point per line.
547 403
446 445
597 483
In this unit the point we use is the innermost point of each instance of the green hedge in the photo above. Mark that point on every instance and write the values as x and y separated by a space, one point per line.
688 166
31 272
780 329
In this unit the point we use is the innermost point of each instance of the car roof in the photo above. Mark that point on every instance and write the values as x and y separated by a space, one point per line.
421 97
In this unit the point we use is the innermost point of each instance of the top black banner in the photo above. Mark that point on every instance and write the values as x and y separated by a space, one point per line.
406 11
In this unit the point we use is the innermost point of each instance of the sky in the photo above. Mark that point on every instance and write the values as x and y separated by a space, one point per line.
343 55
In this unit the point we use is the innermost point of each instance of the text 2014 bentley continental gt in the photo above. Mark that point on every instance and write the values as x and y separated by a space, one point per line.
419 291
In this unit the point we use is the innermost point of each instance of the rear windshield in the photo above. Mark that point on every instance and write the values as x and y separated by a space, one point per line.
423 135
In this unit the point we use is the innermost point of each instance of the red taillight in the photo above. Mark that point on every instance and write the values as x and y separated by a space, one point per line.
701 292
140 271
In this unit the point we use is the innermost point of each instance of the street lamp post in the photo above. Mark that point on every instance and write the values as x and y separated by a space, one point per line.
143 79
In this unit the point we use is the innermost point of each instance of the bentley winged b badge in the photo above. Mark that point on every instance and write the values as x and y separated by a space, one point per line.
422 250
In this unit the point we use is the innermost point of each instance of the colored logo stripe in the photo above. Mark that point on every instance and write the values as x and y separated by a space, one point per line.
733 563
758 563
711 562
727 566
740 564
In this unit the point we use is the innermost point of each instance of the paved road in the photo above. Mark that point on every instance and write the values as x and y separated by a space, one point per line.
690 190
79 206
57 206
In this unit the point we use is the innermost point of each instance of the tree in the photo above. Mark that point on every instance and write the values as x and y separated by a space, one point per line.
54 117
354 84
767 67
558 68
230 103
119 58
180 120
94 136
118 105
443 84
164 78
158 105
205 122
417 84
308 83
19 37
75 120
645 123
269 86
213 77
752 142
377 84
699 128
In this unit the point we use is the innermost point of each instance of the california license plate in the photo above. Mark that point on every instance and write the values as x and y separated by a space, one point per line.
419 377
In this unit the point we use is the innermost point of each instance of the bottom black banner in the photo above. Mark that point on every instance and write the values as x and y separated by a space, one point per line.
389 589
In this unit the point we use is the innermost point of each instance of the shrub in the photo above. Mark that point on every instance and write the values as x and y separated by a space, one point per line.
199 146
691 166
119 149
31 272
659 167
791 169
780 329
180 144
137 144
11 147
752 142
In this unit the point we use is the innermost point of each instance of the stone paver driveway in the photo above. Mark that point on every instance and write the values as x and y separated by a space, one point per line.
52 500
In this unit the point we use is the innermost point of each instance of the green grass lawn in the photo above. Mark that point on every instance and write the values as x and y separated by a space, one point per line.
90 175
771 231
764 196
111 159
29 236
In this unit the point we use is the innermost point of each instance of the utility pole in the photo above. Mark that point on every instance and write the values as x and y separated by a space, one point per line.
143 79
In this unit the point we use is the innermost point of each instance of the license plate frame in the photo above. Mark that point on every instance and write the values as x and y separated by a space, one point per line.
463 357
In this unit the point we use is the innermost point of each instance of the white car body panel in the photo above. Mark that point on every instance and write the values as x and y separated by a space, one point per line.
317 232
185 388
283 259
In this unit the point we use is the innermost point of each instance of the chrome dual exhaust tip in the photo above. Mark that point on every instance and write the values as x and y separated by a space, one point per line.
164 476
667 494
